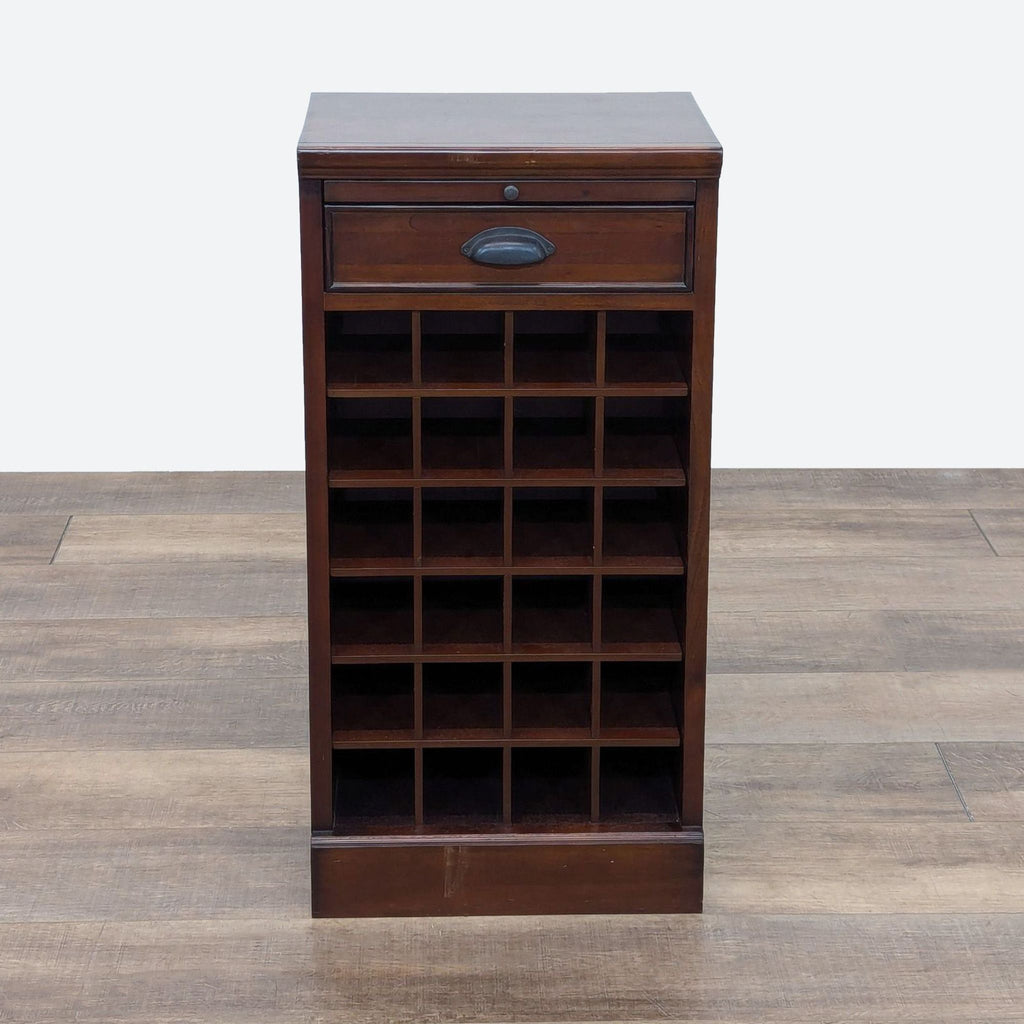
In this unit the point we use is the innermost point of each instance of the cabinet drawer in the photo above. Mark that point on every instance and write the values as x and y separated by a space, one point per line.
611 247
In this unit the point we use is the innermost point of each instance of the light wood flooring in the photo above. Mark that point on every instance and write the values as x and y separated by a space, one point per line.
865 795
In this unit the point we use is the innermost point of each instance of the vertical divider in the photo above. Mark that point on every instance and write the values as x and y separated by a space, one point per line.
599 436
418 786
509 435
600 343
506 612
417 350
595 612
506 518
509 349
417 436
506 699
417 699
598 497
417 612
595 782
417 704
417 526
506 784
595 699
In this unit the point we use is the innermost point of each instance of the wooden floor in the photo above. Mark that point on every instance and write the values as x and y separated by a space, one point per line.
865 798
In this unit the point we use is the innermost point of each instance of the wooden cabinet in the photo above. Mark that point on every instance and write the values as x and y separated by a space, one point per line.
508 311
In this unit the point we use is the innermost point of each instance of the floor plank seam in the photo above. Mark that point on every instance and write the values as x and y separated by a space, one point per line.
955 784
988 541
60 540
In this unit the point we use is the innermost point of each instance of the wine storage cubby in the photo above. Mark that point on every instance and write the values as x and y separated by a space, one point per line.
507 595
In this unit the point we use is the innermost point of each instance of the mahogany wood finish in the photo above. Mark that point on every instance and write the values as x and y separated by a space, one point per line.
596 245
507 502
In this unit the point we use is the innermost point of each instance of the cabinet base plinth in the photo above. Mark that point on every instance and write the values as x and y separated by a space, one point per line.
513 875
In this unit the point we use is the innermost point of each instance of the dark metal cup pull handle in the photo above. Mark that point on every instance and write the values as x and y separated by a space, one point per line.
508 247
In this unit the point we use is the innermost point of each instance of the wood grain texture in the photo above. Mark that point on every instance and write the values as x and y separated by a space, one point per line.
847 532
152 649
815 584
161 590
1004 529
829 782
748 490
151 714
740 490
29 540
521 122
643 247
865 707
725 968
150 493
184 538
836 953
865 641
991 775
494 878
100 874
139 789
865 868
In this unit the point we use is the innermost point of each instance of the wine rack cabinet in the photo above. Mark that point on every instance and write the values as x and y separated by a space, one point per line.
508 346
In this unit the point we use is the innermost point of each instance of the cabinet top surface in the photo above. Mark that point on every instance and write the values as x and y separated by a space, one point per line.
623 123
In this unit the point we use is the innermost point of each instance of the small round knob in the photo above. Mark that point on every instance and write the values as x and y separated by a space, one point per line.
511 192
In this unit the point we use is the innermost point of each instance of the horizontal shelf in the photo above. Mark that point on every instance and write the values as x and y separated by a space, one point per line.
674 477
401 655
520 738
455 833
452 389
352 567
540 650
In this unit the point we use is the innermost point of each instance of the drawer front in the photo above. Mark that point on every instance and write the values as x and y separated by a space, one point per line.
610 247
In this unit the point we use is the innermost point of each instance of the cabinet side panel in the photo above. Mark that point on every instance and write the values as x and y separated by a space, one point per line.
699 503
318 566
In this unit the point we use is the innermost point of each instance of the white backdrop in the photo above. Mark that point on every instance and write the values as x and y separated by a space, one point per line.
871 225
